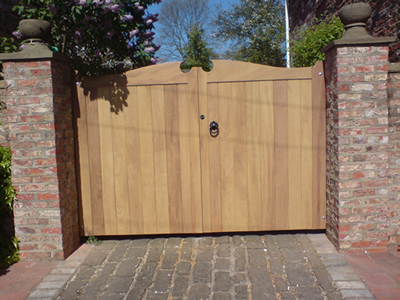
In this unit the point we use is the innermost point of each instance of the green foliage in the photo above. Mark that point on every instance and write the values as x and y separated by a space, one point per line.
197 54
100 37
255 29
7 45
92 240
8 244
306 51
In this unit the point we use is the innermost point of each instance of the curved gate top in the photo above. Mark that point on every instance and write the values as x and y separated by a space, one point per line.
151 160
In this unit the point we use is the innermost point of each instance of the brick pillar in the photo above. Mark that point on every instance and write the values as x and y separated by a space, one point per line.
39 106
358 177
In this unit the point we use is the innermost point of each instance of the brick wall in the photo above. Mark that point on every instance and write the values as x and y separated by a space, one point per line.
4 134
385 19
358 146
394 154
39 108
8 19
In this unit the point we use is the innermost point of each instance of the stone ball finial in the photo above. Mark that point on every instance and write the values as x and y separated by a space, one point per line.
34 30
354 17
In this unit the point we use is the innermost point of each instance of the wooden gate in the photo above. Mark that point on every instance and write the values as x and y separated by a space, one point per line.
149 165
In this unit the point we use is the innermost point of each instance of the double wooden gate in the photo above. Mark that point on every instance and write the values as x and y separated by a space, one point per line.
150 165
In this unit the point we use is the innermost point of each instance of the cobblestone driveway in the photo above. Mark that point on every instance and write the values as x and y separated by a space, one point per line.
225 267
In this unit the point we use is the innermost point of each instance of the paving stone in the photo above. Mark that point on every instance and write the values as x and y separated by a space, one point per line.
173 242
112 297
309 293
205 241
350 285
95 257
261 284
157 243
240 261
340 269
324 280
85 272
170 259
221 296
163 280
257 257
222 263
241 292
141 243
223 250
128 267
299 274
362 294
135 253
136 293
57 277
157 296
315 262
344 276
154 255
51 285
292 255
119 284
239 278
222 282
72 290
205 255
199 292
281 284
106 245
276 266
183 268
237 240
181 284
118 253
202 272
187 249
222 240
334 295
254 242
145 278
286 241
44 293
289 296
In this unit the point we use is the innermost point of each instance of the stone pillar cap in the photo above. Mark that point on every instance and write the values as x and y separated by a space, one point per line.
34 51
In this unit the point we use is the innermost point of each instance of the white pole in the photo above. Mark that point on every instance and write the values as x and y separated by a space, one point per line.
287 35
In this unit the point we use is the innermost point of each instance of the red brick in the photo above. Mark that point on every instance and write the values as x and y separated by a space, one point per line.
48 161
364 192
25 101
48 196
31 119
363 210
51 230
376 130
363 244
25 197
33 171
49 126
382 182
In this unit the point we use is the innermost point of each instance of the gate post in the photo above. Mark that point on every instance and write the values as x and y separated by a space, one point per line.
358 177
39 109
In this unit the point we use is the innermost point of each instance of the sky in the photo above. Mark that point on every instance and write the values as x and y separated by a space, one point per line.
225 4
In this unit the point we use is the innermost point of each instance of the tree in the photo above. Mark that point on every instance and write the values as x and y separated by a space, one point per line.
306 51
196 52
99 36
176 20
255 29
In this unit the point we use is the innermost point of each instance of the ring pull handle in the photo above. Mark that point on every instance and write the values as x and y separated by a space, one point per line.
214 129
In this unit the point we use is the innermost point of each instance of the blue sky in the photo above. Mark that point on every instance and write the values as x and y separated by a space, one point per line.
225 4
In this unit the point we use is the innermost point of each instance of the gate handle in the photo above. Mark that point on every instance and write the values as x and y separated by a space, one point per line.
214 129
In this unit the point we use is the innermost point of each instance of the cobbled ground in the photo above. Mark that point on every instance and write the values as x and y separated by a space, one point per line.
211 267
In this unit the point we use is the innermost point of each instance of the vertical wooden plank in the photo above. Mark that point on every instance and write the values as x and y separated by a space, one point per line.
253 154
306 154
281 154
147 159
215 164
133 162
95 167
226 156
173 158
120 171
319 146
107 163
239 135
160 158
84 163
268 203
294 154
204 150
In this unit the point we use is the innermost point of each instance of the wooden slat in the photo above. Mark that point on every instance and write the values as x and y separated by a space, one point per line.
84 164
240 201
147 159
119 151
281 154
294 92
306 154
228 71
204 150
214 154
95 168
226 125
160 158
253 154
173 159
268 201
319 146
107 162
133 162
